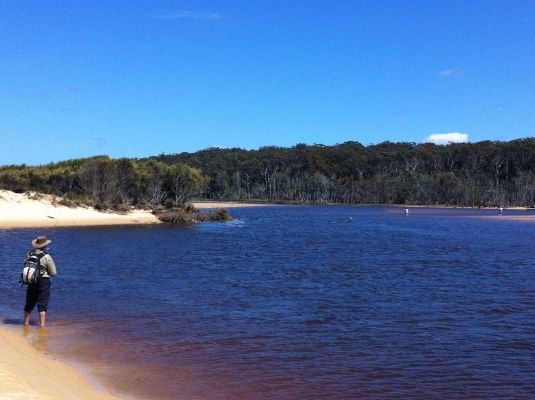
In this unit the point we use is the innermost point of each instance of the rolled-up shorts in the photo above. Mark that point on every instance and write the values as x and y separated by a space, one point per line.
38 294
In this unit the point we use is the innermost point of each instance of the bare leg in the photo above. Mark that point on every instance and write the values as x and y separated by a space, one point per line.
26 318
42 319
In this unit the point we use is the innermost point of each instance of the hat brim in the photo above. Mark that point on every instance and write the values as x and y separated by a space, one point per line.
41 245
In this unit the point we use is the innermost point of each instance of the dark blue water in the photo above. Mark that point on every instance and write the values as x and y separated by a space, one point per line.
295 303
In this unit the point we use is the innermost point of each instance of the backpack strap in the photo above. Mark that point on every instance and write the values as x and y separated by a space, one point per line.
38 255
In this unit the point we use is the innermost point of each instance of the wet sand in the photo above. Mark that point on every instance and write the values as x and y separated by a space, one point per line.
27 373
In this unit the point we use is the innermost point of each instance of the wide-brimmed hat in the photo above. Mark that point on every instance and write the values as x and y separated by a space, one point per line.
40 242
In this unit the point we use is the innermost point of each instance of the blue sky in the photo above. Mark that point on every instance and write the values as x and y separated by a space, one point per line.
136 78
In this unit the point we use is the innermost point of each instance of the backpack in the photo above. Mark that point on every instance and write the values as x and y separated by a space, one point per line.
31 271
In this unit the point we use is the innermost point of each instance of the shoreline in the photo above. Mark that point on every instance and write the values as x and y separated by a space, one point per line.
21 362
27 210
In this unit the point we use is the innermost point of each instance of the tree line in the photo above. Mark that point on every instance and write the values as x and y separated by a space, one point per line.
465 174
106 183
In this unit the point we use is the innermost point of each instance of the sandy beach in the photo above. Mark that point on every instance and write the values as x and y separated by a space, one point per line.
28 374
25 210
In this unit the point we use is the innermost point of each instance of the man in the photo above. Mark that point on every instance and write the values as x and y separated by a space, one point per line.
39 293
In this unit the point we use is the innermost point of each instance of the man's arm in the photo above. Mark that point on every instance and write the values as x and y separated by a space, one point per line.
50 266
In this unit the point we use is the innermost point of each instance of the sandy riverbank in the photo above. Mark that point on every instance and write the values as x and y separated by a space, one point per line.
24 210
27 374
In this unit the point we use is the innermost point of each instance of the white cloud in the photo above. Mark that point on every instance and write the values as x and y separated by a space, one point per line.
451 72
98 141
188 15
446 138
